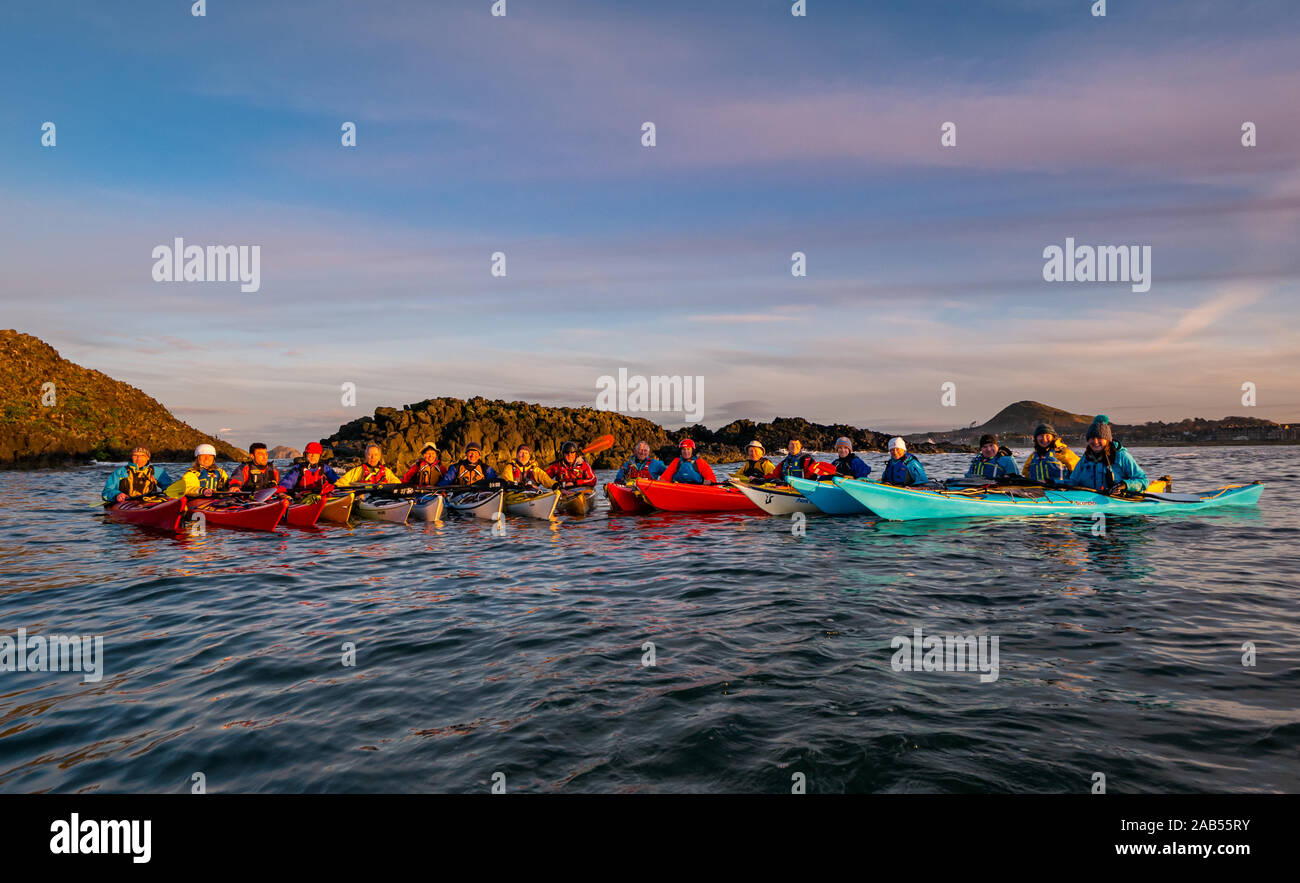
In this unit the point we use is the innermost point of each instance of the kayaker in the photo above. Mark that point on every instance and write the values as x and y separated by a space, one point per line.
523 469
372 470
1052 460
1106 465
312 475
687 468
469 469
571 470
136 479
642 465
257 475
795 462
757 468
205 477
903 468
426 471
993 460
847 462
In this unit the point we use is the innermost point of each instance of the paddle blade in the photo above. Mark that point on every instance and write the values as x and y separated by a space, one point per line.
604 443
176 489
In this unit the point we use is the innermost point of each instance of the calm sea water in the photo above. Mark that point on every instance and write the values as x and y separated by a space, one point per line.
522 655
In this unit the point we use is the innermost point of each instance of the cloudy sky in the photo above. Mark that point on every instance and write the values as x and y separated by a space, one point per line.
775 134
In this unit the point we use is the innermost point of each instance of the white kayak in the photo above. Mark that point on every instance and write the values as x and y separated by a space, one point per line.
382 509
429 507
775 499
480 504
533 503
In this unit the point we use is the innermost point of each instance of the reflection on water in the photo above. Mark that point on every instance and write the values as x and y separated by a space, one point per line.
526 653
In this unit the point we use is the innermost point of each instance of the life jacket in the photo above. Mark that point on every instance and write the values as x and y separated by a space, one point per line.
686 472
310 476
896 470
844 465
256 481
1043 466
467 474
562 471
138 482
1106 458
428 474
520 473
752 468
793 465
208 479
632 471
373 474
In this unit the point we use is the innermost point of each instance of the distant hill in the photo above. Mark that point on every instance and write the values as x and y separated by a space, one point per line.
284 452
1016 423
93 416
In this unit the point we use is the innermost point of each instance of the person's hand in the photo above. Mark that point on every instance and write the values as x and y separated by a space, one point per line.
207 492
121 497
1117 488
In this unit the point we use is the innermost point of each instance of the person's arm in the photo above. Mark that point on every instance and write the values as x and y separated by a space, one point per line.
1010 466
706 471
410 473
1135 480
588 476
390 477
113 486
540 476
164 480
448 477
671 470
236 480
657 468
917 471
1079 474
350 477
1066 456
861 468
970 470
290 479
490 474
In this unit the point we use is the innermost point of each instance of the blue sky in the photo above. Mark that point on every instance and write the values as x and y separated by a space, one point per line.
775 134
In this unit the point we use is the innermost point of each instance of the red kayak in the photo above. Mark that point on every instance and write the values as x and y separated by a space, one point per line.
306 511
674 497
164 515
625 498
243 514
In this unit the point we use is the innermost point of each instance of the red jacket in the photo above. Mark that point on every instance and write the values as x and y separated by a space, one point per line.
577 475
705 470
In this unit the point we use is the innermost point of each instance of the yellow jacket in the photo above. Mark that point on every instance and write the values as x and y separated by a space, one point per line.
763 465
362 475
533 473
214 479
1061 451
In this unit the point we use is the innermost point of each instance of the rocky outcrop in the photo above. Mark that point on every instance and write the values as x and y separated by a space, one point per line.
284 452
56 413
501 426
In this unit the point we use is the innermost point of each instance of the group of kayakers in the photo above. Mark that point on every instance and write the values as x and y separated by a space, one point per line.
1105 466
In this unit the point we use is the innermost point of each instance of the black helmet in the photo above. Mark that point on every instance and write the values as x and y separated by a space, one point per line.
569 448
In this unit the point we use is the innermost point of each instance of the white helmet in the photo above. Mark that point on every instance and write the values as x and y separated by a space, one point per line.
205 449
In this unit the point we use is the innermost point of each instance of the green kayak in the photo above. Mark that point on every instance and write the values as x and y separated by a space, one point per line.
894 503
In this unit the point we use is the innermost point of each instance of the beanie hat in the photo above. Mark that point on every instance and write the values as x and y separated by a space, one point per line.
140 449
897 442
1100 428
473 446
987 439
1045 428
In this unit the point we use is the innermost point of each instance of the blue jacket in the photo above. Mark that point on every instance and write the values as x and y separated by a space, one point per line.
999 466
852 465
290 480
113 486
906 470
654 466
1094 473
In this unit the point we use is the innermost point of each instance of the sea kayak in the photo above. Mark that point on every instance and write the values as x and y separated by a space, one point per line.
532 503
827 497
674 497
479 504
775 499
429 507
337 509
240 515
577 501
305 512
915 503
625 498
163 515
376 508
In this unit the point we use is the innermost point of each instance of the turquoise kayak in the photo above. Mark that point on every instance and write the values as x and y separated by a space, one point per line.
827 497
915 503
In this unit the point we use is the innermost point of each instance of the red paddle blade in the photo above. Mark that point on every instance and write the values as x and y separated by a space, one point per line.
605 442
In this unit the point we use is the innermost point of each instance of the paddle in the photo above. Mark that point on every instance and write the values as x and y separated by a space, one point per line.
603 443
1022 481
